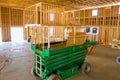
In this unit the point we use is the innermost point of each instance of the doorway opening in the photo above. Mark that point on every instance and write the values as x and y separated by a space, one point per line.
16 34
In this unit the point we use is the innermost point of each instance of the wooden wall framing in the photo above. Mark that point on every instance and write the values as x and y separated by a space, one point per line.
108 18
40 14
10 17
16 17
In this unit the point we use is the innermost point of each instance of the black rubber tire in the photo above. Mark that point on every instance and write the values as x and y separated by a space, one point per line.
54 77
86 68
118 60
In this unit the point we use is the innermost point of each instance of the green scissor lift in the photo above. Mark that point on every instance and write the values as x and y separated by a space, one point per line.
60 63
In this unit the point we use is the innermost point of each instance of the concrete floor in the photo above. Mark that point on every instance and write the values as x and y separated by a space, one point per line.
19 62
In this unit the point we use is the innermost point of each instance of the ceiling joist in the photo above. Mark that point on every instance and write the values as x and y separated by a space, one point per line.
69 3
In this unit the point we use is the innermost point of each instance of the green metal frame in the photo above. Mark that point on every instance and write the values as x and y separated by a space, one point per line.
64 61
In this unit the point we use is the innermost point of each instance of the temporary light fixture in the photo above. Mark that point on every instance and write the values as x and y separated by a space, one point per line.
119 11
62 13
38 4
94 12
51 17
